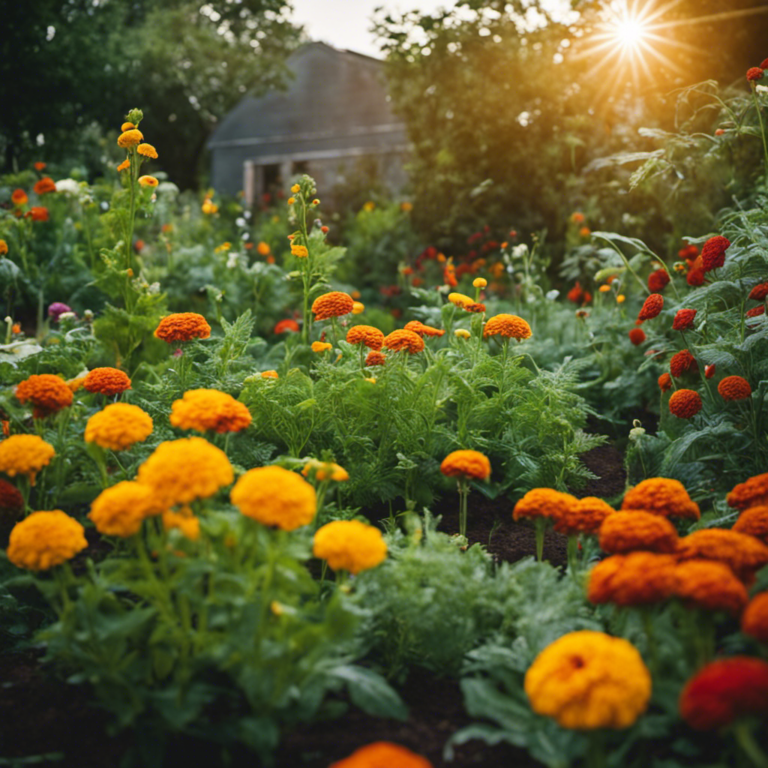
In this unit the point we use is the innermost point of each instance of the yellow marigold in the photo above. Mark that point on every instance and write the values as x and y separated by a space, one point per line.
47 393
263 249
402 339
639 578
422 330
209 208
460 300
45 539
709 585
321 346
509 326
462 333
662 496
130 138
209 409
25 455
325 470
148 181
479 282
124 166
466 464
75 385
585 516
147 150
300 251
743 554
383 754
544 502
752 493
275 496
296 188
118 427
291 200
754 620
3 247
181 471
121 509
349 545
183 326
753 522
588 680
372 337
358 308
127 127
184 521
636 530
270 375
107 381
333 304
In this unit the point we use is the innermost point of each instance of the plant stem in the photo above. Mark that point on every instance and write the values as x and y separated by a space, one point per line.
540 524
463 494
762 127
748 744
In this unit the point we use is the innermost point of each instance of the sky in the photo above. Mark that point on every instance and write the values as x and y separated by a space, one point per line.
345 23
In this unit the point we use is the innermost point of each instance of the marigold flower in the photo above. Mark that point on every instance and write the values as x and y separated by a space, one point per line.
270 375
544 502
756 311
695 277
639 578
19 197
130 138
460 300
121 509
44 540
148 181
300 251
632 530
509 326
479 282
181 471
661 496
637 336
423 330
44 186
734 388
209 409
742 553
651 307
710 586
321 346
466 464
764 64
753 522
375 358
685 403
25 455
402 339
713 253
183 326
11 501
118 427
658 280
752 493
147 150
585 516
47 393
587 680
325 470
754 73
107 381
275 496
126 127
754 620
681 363
723 691
358 308
382 754
371 337
462 333
184 521
350 545
209 208
124 166
621 298
684 320
263 249
38 213
665 382
576 294
286 325
333 304
759 292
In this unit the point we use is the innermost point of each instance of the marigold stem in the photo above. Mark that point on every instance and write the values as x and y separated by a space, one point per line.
749 746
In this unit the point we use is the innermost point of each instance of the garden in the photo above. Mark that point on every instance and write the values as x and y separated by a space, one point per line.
473 472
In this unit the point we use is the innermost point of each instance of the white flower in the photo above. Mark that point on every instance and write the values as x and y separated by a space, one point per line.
240 222
553 294
520 251
232 260
67 316
68 186
761 88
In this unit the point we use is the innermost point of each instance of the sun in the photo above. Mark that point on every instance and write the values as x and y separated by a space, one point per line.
630 33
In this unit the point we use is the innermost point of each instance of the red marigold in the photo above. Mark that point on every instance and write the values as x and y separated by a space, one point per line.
371 337
333 304
764 64
661 496
544 502
651 307
681 363
684 320
752 493
756 311
709 371
639 578
47 393
685 403
723 691
585 516
11 500
375 358
403 339
44 186
183 326
695 277
19 197
759 292
38 213
709 585
734 388
576 294
286 325
423 330
665 382
713 252
658 280
753 522
509 326
742 553
637 530
107 381
755 73
637 336
754 620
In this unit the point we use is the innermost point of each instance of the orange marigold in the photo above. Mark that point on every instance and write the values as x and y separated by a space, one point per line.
752 493
321 346
124 166
636 530
639 578
665 382
661 496
652 307
183 326
25 455
585 516
466 464
742 553
184 521
371 337
403 339
709 585
107 381
270 375
734 388
209 410
333 304
637 336
681 363
19 197
121 509
754 620
47 393
685 403
423 330
544 502
44 186
383 754
754 522
375 358
130 138
118 427
147 150
44 540
509 326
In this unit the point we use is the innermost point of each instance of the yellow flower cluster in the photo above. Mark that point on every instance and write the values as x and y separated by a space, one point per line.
45 539
325 470
209 410
118 427
25 455
349 545
121 509
184 521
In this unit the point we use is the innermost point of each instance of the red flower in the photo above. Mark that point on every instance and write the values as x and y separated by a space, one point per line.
665 382
44 186
734 388
576 294
637 336
755 311
713 252
754 73
681 363
764 64
658 280
725 690
695 277
37 213
286 325
652 307
685 403
709 370
684 320
759 292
